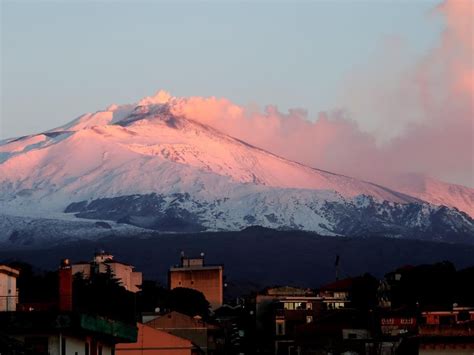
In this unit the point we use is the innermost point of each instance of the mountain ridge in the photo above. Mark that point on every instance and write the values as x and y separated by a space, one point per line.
146 149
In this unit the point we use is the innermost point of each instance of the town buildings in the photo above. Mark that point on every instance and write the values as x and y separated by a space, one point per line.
66 333
337 294
204 335
104 262
8 288
359 315
280 312
60 330
193 273
156 342
447 331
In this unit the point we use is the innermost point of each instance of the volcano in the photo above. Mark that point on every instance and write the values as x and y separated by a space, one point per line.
144 167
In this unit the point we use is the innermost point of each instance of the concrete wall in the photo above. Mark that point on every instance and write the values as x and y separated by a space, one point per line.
152 341
207 281
125 273
130 279
74 345
8 293
81 268
136 280
183 326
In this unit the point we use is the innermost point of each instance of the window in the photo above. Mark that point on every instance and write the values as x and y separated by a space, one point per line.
340 295
100 350
309 305
309 319
296 305
280 327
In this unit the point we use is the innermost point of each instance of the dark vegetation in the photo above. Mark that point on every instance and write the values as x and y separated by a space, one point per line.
103 294
258 257
437 285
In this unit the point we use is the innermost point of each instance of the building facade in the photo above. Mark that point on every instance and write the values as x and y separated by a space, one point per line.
447 331
155 342
336 295
104 262
66 333
60 330
200 333
8 288
193 273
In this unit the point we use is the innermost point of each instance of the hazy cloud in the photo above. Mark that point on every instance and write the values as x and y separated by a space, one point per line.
424 109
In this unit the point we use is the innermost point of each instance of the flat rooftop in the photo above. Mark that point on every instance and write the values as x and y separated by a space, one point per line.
9 271
196 268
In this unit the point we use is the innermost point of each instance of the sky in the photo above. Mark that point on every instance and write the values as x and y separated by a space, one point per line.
357 65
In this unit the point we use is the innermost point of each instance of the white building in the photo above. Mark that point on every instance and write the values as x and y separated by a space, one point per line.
63 331
8 289
66 333
103 262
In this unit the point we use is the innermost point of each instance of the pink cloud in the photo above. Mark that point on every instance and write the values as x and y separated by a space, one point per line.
431 102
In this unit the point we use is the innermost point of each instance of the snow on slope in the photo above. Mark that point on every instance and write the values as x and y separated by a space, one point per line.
147 149
33 232
143 165
436 192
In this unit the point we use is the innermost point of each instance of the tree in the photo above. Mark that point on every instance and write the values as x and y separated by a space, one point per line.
189 301
36 287
103 294
152 296
364 292
425 285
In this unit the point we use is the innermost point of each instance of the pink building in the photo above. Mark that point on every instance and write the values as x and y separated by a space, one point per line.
8 289
152 341
194 274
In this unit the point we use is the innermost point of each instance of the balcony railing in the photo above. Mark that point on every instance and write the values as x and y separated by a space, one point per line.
8 303
452 330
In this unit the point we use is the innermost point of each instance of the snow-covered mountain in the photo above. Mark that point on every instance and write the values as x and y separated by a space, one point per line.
146 166
436 192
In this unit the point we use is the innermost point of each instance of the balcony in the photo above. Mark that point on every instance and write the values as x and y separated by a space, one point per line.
451 330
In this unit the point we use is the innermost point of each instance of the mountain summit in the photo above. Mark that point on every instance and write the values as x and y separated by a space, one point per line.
149 166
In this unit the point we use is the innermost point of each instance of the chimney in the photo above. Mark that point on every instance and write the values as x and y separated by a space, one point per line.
65 286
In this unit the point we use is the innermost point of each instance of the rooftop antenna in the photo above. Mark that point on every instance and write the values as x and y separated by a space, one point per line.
336 265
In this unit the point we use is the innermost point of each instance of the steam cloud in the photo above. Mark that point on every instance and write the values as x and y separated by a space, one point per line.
432 101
